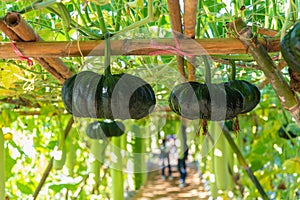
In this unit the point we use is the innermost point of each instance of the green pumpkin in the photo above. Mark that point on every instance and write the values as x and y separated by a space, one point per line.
290 48
127 96
183 100
103 129
251 94
109 96
78 89
216 102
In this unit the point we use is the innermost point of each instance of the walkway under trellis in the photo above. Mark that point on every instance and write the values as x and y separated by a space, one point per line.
158 189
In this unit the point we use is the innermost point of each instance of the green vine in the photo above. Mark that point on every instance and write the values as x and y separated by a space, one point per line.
233 70
107 55
2 166
244 163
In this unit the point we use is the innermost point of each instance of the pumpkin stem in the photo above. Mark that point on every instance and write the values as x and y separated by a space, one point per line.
207 70
204 126
233 70
236 126
107 54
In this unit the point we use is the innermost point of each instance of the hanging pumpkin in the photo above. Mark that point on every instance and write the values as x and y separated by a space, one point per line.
79 94
290 48
251 94
109 96
104 129
222 101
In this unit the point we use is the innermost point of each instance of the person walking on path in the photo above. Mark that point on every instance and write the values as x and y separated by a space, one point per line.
165 156
182 168
182 156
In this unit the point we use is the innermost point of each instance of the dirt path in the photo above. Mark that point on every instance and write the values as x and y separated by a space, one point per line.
159 189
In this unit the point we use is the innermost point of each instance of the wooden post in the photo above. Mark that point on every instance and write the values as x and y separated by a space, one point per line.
189 17
175 18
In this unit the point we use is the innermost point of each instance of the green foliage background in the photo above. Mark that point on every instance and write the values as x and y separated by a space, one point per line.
33 113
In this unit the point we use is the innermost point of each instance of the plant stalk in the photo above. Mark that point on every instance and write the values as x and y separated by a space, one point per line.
101 20
119 14
254 11
243 162
267 13
2 166
117 189
233 69
96 149
207 70
50 165
107 55
38 5
138 149
142 22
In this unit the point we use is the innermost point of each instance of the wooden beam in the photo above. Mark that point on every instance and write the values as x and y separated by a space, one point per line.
139 47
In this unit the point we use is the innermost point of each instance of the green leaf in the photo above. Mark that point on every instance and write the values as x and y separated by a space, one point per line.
59 187
69 183
294 128
7 117
24 188
214 6
292 165
48 109
257 164
51 144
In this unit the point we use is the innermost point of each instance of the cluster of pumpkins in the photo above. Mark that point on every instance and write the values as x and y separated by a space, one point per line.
124 96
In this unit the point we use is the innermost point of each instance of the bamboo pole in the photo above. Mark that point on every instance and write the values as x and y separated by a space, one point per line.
175 18
19 27
189 17
138 47
286 96
7 31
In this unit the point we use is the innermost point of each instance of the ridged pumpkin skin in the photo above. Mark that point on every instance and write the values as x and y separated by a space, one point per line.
290 48
216 102
183 100
250 93
79 94
110 96
127 96
101 129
